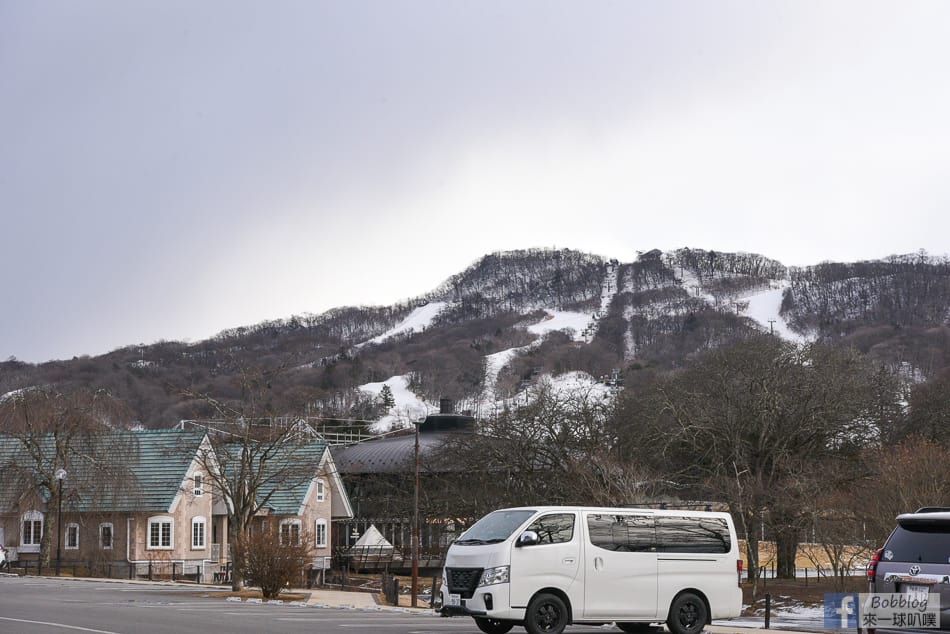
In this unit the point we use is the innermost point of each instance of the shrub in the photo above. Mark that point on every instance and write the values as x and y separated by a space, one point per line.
271 564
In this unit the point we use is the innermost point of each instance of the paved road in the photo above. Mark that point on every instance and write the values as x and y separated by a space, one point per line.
66 606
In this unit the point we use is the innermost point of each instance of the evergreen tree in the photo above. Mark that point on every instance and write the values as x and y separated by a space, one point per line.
386 397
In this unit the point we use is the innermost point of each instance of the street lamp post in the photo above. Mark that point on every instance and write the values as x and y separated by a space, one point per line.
415 525
60 476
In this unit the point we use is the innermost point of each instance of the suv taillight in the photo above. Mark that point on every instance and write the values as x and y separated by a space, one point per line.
739 571
872 565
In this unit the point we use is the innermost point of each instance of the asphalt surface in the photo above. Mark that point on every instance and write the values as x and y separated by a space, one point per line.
46 605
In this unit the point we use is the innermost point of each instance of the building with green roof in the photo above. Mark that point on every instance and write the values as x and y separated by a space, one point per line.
146 499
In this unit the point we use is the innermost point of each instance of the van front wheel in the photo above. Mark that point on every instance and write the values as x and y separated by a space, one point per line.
546 614
688 614
494 626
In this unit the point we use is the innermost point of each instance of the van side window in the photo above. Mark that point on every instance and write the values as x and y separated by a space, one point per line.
554 529
624 533
692 535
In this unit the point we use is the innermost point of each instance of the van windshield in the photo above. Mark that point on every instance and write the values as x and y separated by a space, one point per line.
495 527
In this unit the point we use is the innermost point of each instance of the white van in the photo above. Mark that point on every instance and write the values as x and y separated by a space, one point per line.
547 567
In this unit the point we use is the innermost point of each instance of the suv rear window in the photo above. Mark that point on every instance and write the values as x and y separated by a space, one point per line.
928 544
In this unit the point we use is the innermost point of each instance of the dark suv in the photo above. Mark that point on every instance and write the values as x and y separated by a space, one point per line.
916 559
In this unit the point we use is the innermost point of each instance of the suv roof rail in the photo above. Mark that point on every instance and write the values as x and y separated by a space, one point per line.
933 509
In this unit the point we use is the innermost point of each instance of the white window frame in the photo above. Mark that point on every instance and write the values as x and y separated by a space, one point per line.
72 526
199 488
155 524
290 533
102 543
201 521
321 530
321 490
33 544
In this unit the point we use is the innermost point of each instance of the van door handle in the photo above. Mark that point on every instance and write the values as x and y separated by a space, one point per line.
598 563
569 560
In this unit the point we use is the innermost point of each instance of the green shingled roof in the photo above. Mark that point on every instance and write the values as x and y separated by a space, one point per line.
118 471
287 476
159 465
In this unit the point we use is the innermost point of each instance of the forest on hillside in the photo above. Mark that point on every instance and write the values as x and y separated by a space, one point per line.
664 308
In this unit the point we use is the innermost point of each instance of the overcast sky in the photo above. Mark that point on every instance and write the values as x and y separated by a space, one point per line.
169 169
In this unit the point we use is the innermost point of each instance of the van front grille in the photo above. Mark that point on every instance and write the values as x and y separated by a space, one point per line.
463 581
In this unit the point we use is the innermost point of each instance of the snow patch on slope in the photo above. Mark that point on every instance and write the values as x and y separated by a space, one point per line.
408 407
573 323
417 321
694 287
763 307
577 384
493 366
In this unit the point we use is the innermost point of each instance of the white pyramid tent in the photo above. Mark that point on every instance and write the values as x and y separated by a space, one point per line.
373 540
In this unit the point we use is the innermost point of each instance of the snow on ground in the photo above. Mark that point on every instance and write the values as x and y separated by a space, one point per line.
805 617
15 393
577 382
763 307
416 321
563 320
609 288
570 384
581 326
408 407
493 365
694 287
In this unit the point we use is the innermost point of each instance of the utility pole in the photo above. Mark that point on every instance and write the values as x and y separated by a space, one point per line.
415 526
771 326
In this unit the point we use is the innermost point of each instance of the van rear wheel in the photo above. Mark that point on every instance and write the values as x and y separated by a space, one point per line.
688 614
546 614
494 626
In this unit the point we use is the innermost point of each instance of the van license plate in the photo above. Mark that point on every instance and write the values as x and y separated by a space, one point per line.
455 600
917 592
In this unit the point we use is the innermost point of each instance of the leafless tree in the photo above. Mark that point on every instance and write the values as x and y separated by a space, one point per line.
900 479
750 425
254 454
555 449
79 431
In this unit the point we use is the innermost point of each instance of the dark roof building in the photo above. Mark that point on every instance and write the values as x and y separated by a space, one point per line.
397 454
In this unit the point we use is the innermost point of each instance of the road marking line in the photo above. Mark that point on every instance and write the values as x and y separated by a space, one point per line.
62 625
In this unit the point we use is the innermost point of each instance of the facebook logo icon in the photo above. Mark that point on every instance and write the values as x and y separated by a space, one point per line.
841 611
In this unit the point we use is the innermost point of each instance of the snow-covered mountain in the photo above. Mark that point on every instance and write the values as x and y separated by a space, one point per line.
518 321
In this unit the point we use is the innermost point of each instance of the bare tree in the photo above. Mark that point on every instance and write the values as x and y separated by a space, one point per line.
555 449
749 424
900 479
79 432
254 454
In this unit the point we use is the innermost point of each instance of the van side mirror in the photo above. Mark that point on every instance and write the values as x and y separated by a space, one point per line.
527 538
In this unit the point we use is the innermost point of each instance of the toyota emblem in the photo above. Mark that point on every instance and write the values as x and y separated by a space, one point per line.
915 570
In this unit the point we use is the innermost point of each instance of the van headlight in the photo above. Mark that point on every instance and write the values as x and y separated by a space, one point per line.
491 576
